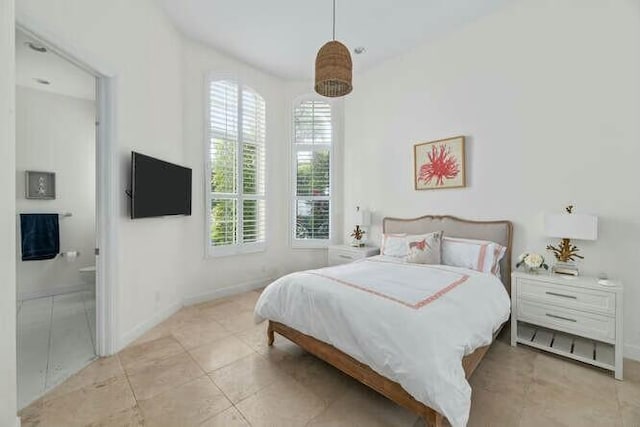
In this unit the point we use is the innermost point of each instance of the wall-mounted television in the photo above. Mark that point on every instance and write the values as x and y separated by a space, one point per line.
158 188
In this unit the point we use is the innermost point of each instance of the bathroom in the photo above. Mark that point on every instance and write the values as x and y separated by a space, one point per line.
56 201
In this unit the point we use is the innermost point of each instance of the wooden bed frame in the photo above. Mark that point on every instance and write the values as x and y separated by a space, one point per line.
468 229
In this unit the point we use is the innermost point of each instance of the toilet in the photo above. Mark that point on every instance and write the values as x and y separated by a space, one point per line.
88 275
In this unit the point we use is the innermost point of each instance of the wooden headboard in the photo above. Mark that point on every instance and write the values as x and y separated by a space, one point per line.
496 231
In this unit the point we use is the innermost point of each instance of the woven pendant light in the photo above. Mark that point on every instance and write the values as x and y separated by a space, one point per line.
333 67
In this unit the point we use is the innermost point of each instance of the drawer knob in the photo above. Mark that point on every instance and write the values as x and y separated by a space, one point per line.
555 294
555 316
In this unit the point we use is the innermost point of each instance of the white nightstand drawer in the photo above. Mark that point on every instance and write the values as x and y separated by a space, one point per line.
344 254
567 296
343 257
590 325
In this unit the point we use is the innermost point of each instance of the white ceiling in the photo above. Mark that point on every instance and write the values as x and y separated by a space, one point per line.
283 36
65 78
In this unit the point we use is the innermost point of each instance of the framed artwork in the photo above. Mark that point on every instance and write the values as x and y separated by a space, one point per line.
40 185
439 164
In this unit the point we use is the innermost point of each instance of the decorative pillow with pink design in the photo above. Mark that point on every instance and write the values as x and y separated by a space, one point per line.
479 255
424 248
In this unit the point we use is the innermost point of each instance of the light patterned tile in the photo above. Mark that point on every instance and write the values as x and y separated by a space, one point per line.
98 371
220 353
283 404
71 343
630 415
246 376
362 407
628 392
162 375
87 405
186 405
255 337
632 370
322 379
495 408
228 418
550 403
194 333
247 299
159 331
575 375
221 309
238 322
33 331
502 371
130 417
146 353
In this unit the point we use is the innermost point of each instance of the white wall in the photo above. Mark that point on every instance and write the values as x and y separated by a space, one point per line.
548 95
56 133
135 43
208 277
8 405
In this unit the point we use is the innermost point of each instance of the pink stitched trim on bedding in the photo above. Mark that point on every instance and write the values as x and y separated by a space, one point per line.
483 250
496 257
416 306
481 256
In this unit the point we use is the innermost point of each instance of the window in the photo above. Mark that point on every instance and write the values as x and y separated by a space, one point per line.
236 173
312 170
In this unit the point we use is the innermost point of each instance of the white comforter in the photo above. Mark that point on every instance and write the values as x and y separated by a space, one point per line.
410 323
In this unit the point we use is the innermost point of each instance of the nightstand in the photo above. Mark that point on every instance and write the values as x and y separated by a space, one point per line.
343 254
574 317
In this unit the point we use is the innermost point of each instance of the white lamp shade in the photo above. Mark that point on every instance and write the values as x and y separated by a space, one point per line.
571 226
363 217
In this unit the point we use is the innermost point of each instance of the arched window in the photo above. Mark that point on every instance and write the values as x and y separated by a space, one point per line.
236 173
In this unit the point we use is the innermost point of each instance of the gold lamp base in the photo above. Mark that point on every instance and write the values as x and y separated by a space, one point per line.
565 252
357 234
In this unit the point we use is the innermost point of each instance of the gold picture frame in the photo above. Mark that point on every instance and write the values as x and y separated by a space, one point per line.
439 164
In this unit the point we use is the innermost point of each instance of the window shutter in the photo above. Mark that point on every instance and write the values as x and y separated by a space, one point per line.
313 124
313 138
237 137
253 166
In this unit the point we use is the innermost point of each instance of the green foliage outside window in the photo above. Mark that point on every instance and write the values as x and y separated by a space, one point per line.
313 179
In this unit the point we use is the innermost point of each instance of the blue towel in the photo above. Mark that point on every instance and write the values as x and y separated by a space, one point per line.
40 236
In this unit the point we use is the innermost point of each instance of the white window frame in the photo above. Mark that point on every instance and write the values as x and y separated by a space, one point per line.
239 247
294 242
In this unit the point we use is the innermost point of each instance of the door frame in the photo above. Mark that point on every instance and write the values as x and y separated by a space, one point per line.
106 213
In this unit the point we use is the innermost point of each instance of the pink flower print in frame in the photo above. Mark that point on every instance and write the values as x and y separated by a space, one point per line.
439 164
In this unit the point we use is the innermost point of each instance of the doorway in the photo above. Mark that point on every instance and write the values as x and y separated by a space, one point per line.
64 158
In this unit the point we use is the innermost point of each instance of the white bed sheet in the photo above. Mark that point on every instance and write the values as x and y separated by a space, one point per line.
410 323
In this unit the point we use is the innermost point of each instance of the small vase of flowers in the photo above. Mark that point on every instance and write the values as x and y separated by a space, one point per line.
532 262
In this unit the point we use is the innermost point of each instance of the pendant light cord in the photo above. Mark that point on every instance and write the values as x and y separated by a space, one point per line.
334 19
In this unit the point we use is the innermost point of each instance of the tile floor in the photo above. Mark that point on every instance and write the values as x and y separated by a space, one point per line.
56 337
209 365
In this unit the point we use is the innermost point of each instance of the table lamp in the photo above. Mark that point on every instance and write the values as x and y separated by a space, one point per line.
363 219
569 225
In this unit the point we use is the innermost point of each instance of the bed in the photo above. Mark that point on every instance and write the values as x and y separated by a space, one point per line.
368 319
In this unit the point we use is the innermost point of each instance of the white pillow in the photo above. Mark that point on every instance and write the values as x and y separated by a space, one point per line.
394 245
424 248
479 255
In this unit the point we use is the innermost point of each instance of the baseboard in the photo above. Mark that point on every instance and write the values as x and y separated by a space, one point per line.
139 330
54 290
228 291
632 352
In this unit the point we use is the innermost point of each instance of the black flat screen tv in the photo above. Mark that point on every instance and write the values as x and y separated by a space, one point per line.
158 188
